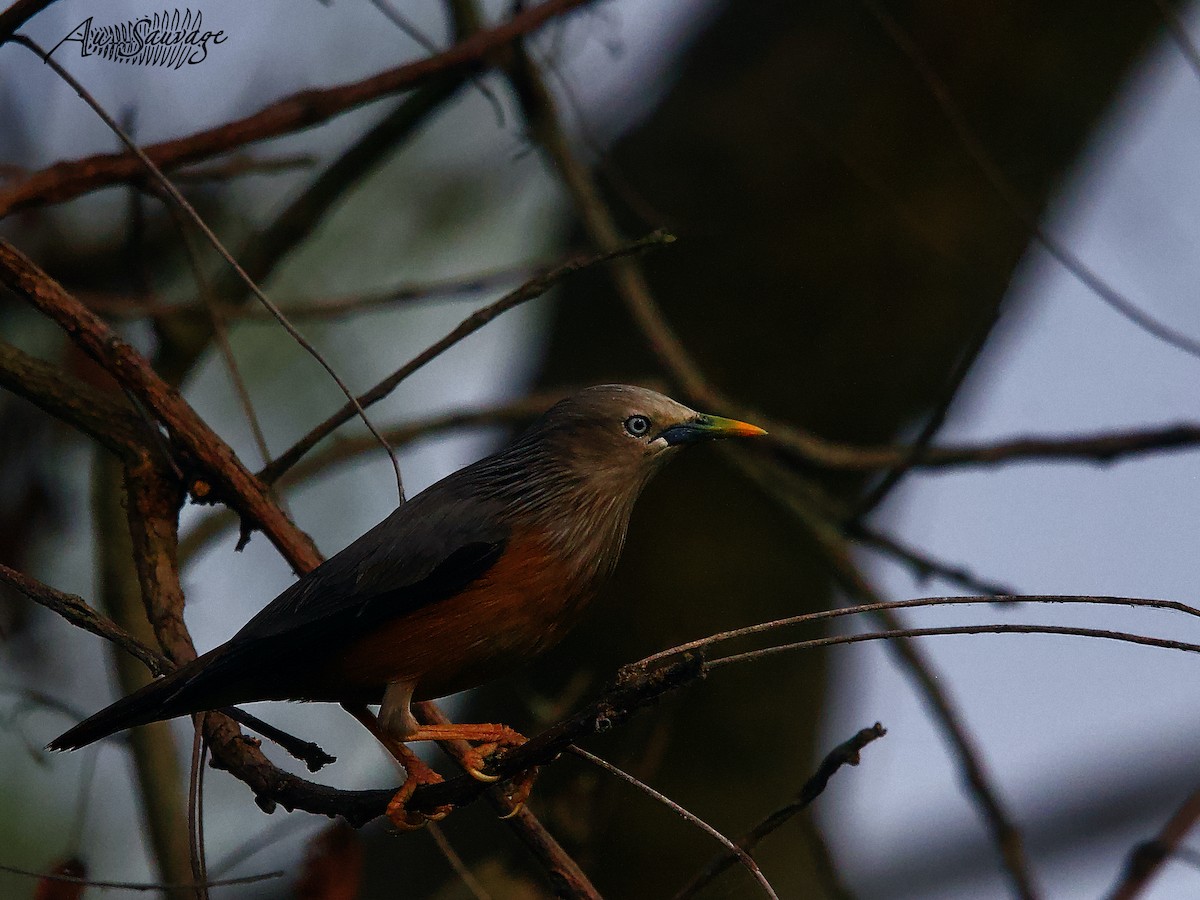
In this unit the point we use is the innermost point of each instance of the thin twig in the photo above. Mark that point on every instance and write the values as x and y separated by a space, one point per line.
864 608
933 423
123 306
65 180
461 869
462 29
140 885
80 614
896 634
741 855
18 14
844 754
186 336
923 564
221 331
542 117
240 164
195 826
530 290
181 202
1147 858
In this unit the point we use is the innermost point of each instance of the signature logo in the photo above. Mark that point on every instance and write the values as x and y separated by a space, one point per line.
162 39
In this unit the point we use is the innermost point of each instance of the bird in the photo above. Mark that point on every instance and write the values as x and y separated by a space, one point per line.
465 582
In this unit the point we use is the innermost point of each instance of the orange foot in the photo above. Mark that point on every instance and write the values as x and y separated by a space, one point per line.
398 812
518 790
490 739
475 761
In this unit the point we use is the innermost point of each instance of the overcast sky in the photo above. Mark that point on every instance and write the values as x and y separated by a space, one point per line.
1052 713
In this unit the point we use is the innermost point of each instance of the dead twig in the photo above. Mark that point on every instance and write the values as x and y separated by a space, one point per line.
188 210
1147 858
66 180
530 290
844 754
735 851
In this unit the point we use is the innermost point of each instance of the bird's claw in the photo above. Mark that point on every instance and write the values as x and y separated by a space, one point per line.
475 760
406 819
518 791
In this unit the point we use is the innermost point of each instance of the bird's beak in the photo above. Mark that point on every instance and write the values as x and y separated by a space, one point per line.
707 427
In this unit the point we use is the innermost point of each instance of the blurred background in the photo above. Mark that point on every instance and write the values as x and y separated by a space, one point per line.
855 189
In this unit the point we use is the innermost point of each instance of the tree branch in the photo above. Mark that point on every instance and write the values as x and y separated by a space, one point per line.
96 413
843 754
530 290
79 613
223 477
66 180
1146 859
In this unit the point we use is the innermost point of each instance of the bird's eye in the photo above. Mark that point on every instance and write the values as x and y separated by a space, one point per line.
637 425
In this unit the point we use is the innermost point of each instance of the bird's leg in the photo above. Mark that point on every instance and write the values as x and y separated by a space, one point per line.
489 738
473 759
416 772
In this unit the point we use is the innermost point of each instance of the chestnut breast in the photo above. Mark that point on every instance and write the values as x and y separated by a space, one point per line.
523 605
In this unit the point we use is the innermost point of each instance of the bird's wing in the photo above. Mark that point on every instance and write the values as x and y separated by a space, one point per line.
423 552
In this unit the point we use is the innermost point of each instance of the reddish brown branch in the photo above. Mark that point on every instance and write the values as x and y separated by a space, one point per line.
18 14
66 180
100 415
222 473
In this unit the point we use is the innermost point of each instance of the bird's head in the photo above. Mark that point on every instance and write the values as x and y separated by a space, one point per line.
616 432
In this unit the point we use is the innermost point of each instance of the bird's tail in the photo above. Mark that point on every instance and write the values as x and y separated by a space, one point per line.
163 698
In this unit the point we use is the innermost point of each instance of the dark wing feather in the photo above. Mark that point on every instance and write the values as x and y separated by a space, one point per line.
429 549
421 553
